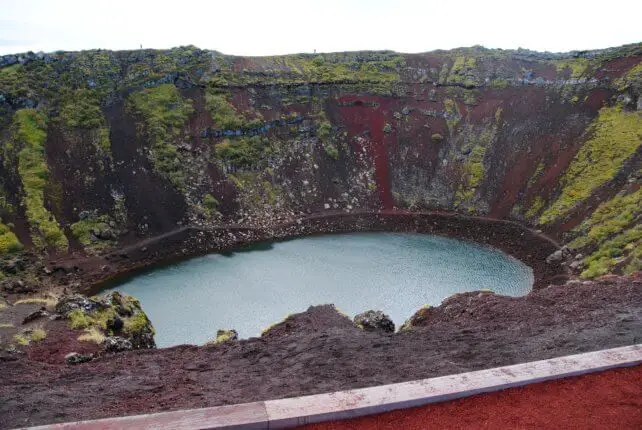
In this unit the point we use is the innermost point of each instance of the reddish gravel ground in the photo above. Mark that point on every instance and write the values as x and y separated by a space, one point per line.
607 400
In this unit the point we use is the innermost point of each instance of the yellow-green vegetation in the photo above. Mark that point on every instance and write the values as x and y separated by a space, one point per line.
324 132
452 114
164 113
223 336
258 192
437 138
610 218
9 242
632 78
30 335
46 301
78 319
611 232
6 325
127 308
616 135
32 166
473 168
223 113
82 109
86 231
462 72
38 334
2 305
576 66
625 250
210 205
536 206
21 339
243 152
136 323
92 335
271 326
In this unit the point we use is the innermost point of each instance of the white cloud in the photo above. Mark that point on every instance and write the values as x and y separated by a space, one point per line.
246 27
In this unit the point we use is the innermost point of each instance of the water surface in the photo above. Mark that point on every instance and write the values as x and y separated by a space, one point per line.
250 290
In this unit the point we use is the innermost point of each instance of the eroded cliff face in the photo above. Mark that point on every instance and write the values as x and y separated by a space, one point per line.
102 149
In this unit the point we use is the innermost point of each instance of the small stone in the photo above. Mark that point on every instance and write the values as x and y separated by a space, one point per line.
374 321
76 358
117 344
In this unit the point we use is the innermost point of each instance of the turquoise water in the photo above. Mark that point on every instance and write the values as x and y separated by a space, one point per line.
252 289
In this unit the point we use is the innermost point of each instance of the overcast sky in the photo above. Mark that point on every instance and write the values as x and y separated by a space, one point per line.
269 27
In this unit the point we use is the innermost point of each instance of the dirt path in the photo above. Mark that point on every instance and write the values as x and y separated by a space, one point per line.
320 351
607 400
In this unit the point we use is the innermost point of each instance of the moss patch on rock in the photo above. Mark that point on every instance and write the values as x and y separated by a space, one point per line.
30 135
110 315
163 112
615 135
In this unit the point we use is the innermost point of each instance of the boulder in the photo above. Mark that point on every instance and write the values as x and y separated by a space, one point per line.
76 358
559 256
35 315
226 335
71 302
117 344
374 321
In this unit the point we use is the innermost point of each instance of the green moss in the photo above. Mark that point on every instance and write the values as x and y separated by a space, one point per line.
38 334
631 79
473 169
609 219
34 172
577 66
437 138
83 229
164 113
616 135
9 242
452 114
210 202
623 247
21 339
243 152
535 208
324 132
137 323
78 319
82 110
462 72
223 113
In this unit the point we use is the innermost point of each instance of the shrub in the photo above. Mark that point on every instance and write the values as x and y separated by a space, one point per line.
78 319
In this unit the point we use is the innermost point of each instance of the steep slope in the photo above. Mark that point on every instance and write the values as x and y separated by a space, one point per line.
102 149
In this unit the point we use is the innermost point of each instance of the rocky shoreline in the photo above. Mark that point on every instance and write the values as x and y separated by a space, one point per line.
320 350
515 239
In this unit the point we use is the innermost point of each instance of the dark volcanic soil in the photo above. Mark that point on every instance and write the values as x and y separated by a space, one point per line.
321 350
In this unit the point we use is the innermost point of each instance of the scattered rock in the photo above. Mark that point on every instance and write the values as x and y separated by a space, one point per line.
375 321
35 315
558 256
223 336
76 358
13 286
117 344
68 303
